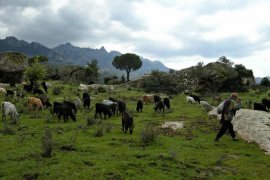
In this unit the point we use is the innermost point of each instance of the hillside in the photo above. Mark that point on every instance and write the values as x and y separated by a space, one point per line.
212 78
215 77
98 149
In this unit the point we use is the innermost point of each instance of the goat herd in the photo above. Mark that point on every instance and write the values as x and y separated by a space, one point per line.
108 107
38 100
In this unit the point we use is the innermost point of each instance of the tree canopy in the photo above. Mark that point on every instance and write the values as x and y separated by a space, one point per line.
35 72
39 59
222 76
91 71
225 60
159 82
127 62
265 82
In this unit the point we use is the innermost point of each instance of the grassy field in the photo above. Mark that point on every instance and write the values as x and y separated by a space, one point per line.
80 151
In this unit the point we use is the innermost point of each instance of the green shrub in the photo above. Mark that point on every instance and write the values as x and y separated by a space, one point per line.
160 82
99 131
21 137
7 129
77 93
57 90
49 118
249 104
109 78
82 127
101 90
90 121
113 81
149 134
21 108
47 143
108 127
172 155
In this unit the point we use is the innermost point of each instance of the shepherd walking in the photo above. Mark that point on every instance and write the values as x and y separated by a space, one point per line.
228 112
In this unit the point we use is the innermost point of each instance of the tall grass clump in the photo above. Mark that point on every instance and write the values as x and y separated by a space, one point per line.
7 129
49 118
47 143
108 127
101 90
21 108
57 90
149 134
21 137
99 131
249 104
172 155
90 121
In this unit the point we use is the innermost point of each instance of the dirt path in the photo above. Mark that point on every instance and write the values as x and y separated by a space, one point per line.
252 126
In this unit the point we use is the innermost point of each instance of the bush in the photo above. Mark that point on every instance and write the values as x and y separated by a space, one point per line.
21 108
21 137
160 82
109 78
47 143
108 127
7 129
149 134
57 90
99 131
77 93
172 155
101 89
113 81
49 118
90 121
249 104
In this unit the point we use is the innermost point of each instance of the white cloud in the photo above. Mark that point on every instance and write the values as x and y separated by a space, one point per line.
185 62
243 22
180 33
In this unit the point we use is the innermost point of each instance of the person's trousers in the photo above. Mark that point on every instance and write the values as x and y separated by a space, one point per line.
225 126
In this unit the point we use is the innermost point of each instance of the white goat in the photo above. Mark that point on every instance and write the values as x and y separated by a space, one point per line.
9 109
108 102
190 99
78 102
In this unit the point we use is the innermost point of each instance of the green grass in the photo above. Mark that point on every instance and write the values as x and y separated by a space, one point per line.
189 153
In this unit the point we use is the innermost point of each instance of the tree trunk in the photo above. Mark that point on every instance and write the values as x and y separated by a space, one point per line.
128 71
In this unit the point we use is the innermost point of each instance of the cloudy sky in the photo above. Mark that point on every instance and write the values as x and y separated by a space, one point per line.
179 33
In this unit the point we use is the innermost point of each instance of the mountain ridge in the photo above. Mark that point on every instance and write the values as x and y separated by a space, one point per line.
67 53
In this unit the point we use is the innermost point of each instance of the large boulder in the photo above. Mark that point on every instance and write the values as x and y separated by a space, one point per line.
13 62
12 66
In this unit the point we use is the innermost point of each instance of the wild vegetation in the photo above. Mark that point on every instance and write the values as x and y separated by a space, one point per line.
43 148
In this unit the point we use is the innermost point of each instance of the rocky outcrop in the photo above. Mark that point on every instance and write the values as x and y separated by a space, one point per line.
186 79
251 125
13 62
12 66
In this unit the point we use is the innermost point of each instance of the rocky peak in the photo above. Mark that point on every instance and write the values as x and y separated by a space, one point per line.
11 40
103 49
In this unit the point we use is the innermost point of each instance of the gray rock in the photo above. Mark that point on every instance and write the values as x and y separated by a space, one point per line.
13 62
